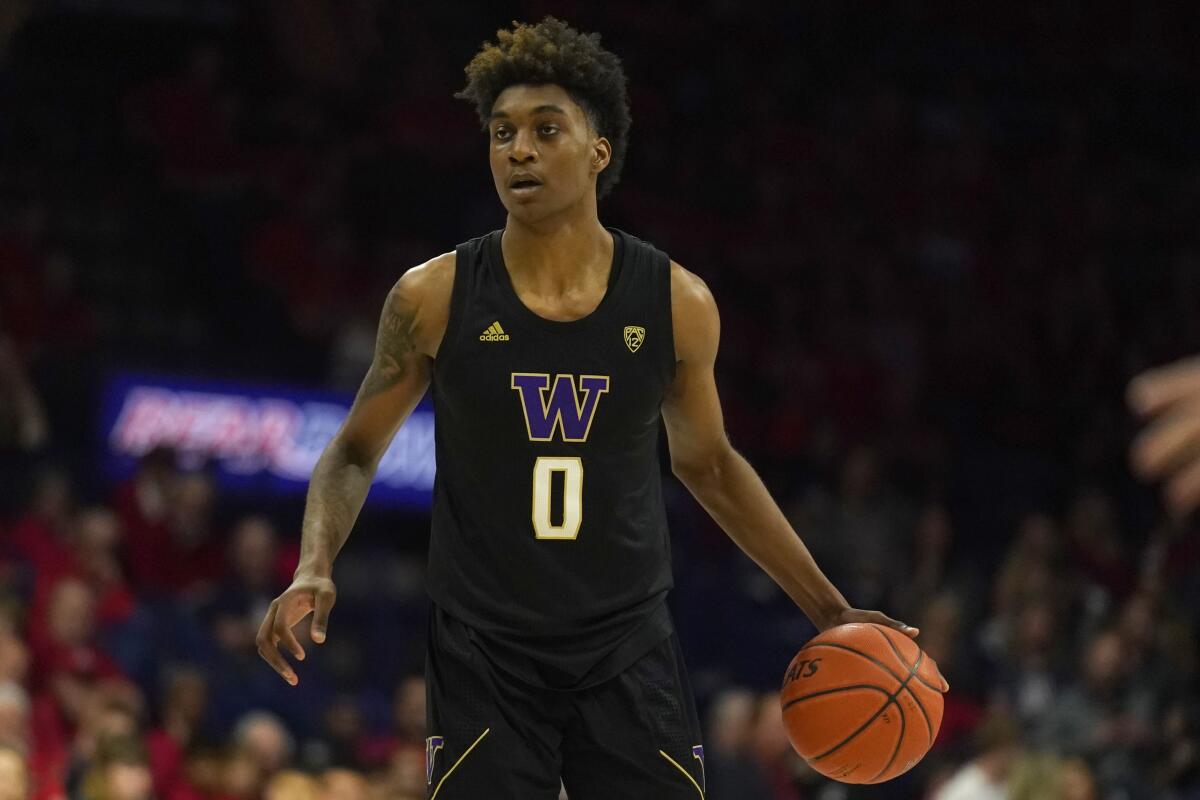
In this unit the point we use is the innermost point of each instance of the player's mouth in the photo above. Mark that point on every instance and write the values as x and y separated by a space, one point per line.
523 184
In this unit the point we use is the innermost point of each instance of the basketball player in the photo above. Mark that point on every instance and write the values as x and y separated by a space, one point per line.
1169 397
553 347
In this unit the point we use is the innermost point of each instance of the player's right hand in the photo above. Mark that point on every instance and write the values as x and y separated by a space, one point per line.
308 593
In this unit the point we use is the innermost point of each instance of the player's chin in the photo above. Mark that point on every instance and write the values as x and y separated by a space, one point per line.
528 209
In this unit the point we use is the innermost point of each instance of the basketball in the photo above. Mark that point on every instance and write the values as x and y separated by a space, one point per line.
862 703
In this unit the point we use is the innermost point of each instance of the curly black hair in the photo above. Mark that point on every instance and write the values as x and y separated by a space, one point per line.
554 52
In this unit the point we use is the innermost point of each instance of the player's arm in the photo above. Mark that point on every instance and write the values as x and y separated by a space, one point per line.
721 480
410 330
1169 448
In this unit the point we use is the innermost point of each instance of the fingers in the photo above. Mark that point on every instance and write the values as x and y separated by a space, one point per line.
883 619
1172 442
326 596
945 684
266 646
1156 389
283 633
1183 491
879 618
1171 446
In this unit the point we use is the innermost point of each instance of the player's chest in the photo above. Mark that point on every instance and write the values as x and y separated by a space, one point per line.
568 382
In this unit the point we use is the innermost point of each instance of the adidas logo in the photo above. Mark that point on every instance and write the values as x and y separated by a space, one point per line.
494 333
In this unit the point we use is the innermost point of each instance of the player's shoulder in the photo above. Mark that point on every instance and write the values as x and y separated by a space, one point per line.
694 319
426 290
428 281
689 293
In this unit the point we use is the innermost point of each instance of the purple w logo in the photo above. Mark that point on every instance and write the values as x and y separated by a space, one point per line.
563 409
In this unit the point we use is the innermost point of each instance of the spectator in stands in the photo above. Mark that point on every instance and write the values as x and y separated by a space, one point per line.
14 717
292 785
42 536
1030 673
1026 571
23 423
1046 777
408 724
1096 548
264 738
120 771
343 784
96 540
858 533
67 649
1076 782
14 653
71 669
203 776
142 503
405 779
190 119
14 776
986 776
111 711
182 718
251 582
241 775
1178 767
933 535
776 759
344 734
174 549
942 639
730 766
1104 717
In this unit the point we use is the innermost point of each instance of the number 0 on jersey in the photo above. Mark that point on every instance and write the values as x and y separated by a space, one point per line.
543 470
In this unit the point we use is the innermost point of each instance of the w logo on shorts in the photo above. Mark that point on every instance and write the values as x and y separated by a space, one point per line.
432 745
698 754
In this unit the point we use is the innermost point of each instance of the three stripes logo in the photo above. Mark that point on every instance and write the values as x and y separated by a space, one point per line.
494 333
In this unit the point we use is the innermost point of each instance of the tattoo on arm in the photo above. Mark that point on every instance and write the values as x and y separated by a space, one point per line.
394 345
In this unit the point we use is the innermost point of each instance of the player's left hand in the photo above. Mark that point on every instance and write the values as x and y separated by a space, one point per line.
1169 399
858 615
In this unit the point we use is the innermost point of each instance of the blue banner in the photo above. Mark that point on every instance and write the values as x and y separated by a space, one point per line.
259 439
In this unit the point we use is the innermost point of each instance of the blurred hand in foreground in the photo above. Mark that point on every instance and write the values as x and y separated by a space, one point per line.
1168 399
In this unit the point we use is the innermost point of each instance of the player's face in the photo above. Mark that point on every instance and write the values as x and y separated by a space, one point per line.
544 154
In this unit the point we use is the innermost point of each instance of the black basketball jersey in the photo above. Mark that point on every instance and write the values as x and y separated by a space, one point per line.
549 538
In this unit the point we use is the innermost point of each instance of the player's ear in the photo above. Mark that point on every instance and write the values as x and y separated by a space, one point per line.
601 154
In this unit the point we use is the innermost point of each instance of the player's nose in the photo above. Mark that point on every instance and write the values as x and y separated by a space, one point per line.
523 148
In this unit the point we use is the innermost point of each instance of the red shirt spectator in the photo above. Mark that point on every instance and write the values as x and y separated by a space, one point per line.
171 547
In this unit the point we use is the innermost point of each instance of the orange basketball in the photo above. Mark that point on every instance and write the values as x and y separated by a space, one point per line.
862 703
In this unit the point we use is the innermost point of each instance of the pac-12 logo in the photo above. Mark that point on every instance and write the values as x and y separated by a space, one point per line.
634 336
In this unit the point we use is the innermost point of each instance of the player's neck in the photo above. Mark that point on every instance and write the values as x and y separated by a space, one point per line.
550 259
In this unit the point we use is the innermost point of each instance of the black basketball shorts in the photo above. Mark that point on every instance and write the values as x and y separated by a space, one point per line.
494 737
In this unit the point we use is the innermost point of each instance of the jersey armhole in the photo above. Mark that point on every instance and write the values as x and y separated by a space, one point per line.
457 297
671 358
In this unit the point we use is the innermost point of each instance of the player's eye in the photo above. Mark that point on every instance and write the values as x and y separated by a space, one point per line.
501 134
549 130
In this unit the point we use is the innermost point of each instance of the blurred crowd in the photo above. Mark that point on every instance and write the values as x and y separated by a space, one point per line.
941 243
